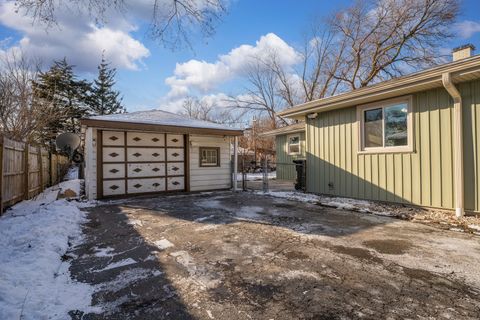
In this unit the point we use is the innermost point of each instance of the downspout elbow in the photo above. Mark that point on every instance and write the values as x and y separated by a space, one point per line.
451 88
458 143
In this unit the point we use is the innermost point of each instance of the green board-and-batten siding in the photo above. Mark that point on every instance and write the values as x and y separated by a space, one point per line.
284 162
423 177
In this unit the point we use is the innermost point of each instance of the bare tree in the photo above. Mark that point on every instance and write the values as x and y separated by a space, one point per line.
314 77
200 109
22 117
386 38
370 41
262 94
172 21
252 142
195 108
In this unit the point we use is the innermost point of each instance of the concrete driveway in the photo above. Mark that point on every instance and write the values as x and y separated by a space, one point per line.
248 256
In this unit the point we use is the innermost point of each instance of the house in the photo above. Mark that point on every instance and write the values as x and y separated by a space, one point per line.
289 145
156 151
413 140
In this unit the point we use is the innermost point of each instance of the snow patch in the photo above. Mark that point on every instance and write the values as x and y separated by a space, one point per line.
163 244
118 264
335 202
207 227
212 204
161 117
249 212
199 275
474 227
129 276
72 185
204 218
135 222
103 252
35 282
257 176
72 173
299 274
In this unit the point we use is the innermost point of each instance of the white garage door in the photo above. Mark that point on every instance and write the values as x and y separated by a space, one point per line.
140 162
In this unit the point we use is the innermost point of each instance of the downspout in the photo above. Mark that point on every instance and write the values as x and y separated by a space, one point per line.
235 162
458 143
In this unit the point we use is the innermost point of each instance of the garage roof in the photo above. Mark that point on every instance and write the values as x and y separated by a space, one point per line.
159 120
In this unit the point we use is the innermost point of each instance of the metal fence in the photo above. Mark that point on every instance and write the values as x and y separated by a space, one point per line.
256 175
26 170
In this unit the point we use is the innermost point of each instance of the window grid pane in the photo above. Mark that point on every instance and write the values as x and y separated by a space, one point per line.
373 128
209 157
396 132
294 144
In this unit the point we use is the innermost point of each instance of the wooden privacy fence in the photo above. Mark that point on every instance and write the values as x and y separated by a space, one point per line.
26 170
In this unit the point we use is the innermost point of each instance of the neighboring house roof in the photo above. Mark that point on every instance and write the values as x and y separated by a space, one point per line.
293 128
158 120
461 71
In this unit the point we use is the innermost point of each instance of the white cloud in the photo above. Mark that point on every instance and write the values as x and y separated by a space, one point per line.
205 76
466 29
76 38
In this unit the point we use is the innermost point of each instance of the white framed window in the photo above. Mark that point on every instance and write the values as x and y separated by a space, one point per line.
386 126
209 157
294 147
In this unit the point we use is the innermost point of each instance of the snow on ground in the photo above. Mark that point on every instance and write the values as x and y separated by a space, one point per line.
34 281
474 226
249 212
118 264
335 202
257 176
73 185
240 213
163 244
72 173
445 219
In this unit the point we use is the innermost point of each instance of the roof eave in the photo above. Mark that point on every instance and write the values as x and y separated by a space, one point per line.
274 133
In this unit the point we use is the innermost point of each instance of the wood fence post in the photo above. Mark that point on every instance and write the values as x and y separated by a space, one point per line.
1 174
50 172
40 167
26 169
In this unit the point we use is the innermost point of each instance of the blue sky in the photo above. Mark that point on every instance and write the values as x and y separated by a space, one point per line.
211 68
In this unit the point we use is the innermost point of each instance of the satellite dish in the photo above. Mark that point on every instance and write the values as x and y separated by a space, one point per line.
68 143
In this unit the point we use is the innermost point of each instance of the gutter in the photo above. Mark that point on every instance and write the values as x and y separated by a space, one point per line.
464 70
458 143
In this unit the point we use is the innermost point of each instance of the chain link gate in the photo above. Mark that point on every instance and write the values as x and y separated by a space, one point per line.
257 175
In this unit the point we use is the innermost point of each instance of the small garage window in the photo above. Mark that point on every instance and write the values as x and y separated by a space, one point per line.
209 157
294 144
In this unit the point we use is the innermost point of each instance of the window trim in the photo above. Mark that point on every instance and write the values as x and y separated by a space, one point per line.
382 104
299 144
200 164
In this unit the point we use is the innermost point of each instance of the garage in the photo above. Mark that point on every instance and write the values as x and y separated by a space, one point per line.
155 152
138 162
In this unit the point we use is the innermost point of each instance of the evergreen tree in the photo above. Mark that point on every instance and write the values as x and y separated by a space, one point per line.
60 91
104 99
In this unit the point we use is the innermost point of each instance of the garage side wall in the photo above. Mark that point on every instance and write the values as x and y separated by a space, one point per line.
209 178
91 163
